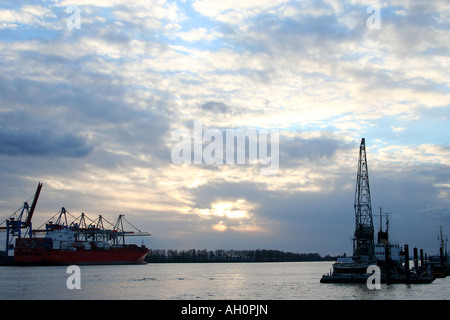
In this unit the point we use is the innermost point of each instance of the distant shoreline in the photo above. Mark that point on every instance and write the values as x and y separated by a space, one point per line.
211 262
226 256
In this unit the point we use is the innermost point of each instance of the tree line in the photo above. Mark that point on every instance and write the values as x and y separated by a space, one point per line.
193 255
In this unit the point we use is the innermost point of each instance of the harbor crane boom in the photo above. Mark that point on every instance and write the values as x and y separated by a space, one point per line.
363 245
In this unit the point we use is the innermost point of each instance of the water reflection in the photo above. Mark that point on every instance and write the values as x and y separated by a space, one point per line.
219 281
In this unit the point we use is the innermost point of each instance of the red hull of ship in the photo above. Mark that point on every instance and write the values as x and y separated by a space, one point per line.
112 256
130 254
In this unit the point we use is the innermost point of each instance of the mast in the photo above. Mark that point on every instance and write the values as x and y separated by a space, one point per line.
442 247
363 242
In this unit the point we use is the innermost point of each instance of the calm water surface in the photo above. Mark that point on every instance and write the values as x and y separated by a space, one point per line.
218 281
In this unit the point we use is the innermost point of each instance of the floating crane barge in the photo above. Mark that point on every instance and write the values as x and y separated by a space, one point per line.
63 243
367 253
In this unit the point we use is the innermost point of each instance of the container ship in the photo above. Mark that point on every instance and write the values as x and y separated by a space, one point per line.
81 242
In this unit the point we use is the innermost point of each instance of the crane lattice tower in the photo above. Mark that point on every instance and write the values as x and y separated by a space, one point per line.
363 242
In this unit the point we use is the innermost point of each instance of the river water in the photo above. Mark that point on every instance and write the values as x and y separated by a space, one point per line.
201 281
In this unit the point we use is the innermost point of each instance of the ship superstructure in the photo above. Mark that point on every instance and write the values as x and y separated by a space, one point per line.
384 248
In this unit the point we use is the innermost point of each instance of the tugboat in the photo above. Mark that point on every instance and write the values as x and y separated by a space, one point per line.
367 255
347 270
77 243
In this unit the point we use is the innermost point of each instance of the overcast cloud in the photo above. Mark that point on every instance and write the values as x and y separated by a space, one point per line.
90 112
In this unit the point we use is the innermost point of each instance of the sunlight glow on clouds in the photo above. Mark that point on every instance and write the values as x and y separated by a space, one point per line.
237 210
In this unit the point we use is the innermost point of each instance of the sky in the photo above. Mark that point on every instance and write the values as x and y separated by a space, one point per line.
92 93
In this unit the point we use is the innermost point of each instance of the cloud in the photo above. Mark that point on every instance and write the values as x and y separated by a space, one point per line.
26 16
233 12
42 143
200 34
22 135
298 149
215 107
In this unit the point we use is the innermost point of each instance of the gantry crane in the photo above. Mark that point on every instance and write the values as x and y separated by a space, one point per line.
18 221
